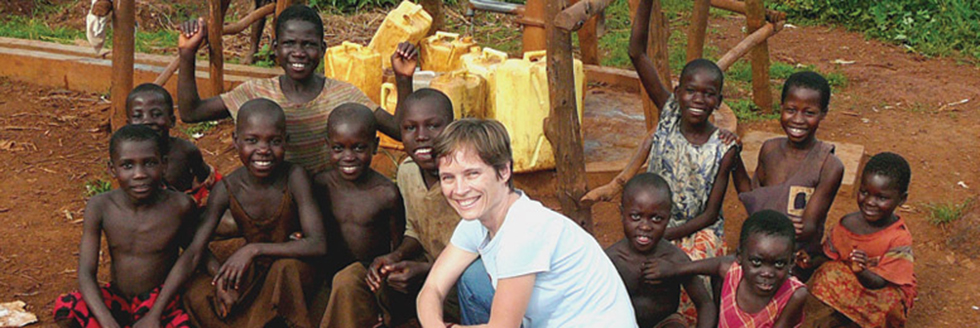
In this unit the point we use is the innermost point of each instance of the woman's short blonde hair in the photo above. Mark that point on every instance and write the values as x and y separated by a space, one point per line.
488 138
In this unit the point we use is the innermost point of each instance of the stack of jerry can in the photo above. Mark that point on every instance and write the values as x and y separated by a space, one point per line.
484 63
357 65
441 52
521 102
408 22
389 100
467 91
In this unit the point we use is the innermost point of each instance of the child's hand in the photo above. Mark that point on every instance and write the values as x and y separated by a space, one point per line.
230 274
224 300
405 59
654 271
802 259
859 260
405 274
192 35
728 137
604 193
375 274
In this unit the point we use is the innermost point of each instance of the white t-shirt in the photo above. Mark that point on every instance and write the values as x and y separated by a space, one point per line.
576 283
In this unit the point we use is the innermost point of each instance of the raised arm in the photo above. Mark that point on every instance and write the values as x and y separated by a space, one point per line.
448 267
88 262
710 214
403 62
191 107
656 270
649 77
823 196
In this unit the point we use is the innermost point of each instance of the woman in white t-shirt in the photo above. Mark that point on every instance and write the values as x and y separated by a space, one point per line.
546 270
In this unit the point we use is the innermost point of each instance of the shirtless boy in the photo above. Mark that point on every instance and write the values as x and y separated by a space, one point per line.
365 206
142 223
151 105
645 211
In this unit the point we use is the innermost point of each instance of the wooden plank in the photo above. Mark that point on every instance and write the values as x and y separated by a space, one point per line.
123 26
698 28
562 127
216 57
849 154
759 58
747 44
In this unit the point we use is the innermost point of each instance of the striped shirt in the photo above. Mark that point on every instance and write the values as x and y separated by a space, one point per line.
306 123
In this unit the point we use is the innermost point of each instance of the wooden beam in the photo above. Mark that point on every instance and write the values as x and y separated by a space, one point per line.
743 47
123 54
434 8
698 28
575 16
216 58
245 22
730 5
534 37
755 19
562 126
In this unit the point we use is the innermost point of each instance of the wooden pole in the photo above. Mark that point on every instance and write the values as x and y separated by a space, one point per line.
730 5
746 44
699 25
588 40
755 18
434 8
123 56
562 127
534 36
245 22
216 22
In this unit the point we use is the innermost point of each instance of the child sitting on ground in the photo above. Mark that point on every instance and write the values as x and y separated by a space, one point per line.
143 226
869 279
264 281
645 211
693 155
363 207
797 175
151 105
758 290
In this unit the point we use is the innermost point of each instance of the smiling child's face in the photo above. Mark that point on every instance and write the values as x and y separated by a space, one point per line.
138 166
800 114
698 95
352 146
878 197
150 109
261 144
299 49
765 261
645 214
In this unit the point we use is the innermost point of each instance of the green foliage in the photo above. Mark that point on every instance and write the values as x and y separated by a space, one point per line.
931 27
37 29
264 58
350 5
197 130
746 111
97 186
949 211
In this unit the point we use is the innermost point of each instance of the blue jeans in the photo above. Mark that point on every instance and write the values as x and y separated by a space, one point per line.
475 294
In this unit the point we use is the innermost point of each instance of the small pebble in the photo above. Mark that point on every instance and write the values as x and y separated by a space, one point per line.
977 308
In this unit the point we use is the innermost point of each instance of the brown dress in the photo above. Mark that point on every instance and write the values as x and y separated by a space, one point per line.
273 287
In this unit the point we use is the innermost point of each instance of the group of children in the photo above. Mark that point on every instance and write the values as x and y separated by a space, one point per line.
317 220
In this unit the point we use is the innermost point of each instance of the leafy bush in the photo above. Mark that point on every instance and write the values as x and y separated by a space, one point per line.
931 27
944 213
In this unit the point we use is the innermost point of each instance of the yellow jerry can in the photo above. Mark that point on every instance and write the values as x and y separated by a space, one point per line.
441 51
357 65
521 103
389 100
483 63
408 22
467 91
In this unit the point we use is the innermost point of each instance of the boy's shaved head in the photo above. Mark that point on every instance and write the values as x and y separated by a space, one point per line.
299 13
706 66
647 181
809 80
135 133
352 113
152 89
769 223
432 97
890 165
264 108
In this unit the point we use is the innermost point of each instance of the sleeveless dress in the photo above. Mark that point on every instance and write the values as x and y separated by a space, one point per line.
273 287
730 315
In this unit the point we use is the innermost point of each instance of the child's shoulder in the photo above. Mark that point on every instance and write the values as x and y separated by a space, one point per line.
177 200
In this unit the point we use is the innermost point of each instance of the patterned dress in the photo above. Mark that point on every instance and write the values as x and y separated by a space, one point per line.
731 316
690 170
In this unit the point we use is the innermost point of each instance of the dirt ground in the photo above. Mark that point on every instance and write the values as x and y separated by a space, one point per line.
53 141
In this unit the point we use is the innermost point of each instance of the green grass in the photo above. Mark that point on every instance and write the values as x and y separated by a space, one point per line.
37 28
97 186
946 212
746 111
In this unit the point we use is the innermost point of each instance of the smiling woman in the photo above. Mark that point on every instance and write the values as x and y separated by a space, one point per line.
546 270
